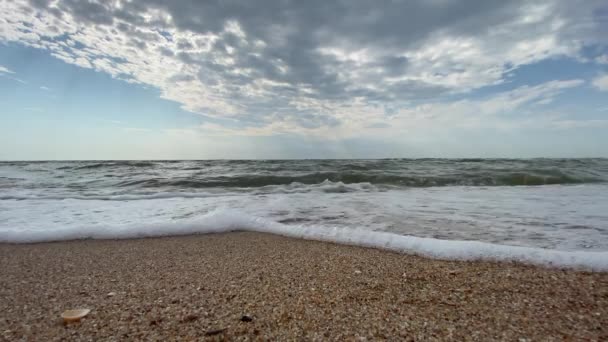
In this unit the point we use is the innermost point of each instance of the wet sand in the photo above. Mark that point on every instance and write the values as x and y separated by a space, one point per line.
258 286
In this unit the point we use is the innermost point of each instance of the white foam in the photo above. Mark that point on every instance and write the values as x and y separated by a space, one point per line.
230 220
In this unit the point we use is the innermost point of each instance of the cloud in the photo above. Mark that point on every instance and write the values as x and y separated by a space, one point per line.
305 66
603 59
601 82
522 107
45 88
7 73
5 70
525 106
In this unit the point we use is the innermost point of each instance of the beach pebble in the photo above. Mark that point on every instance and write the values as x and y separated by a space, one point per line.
111 294
74 315
246 318
357 272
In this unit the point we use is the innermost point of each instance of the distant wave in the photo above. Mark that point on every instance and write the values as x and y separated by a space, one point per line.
176 176
229 220
326 187
126 197
478 179
109 165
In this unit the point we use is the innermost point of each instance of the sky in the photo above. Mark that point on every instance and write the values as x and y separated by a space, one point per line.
152 79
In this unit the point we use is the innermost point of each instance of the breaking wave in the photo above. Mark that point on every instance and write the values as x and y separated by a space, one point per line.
228 220
253 181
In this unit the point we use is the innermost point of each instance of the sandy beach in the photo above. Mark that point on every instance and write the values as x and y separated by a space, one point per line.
257 286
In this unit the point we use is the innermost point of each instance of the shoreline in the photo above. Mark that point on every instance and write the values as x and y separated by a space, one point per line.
427 247
201 286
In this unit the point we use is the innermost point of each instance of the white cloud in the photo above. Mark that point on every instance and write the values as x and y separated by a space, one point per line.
45 88
14 79
601 82
523 107
520 107
233 71
7 73
5 70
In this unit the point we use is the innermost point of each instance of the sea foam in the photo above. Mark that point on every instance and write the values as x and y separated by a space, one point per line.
219 221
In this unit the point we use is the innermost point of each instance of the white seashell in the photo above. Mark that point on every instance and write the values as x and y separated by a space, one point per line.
74 315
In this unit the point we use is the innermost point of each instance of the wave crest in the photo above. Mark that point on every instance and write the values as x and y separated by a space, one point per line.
256 181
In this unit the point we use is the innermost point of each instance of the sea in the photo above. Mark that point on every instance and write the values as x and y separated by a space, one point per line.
539 211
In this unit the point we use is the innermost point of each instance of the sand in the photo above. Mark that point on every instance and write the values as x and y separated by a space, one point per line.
252 286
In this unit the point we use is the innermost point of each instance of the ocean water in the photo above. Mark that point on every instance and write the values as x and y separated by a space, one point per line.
544 211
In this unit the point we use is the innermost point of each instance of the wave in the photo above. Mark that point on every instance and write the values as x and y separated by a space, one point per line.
255 181
93 166
109 165
325 187
183 175
229 220
122 197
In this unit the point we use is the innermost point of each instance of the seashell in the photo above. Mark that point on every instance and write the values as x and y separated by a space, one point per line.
74 315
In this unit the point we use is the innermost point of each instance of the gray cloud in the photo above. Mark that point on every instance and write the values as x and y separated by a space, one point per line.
306 62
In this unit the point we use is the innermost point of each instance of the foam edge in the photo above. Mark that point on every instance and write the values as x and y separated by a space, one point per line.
221 221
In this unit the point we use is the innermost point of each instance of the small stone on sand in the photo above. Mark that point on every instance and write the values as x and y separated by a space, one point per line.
74 315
